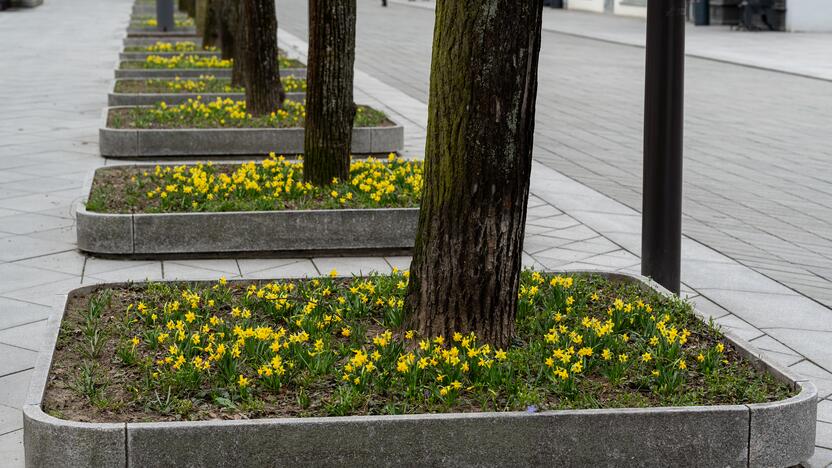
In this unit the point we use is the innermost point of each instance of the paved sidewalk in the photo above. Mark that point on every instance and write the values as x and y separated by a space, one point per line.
804 54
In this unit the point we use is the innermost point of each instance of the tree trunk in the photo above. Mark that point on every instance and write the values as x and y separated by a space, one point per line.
330 110
183 6
190 7
210 29
466 266
264 92
228 19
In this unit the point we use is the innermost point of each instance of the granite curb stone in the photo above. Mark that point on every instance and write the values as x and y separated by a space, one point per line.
152 143
723 435
115 99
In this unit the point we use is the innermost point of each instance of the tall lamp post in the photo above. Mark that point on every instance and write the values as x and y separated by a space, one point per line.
661 237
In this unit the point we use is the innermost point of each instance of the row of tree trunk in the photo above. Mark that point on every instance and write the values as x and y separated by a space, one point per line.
467 259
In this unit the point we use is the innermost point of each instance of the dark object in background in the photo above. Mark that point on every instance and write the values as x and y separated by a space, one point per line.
164 15
756 15
701 13
384 3
553 3
4 4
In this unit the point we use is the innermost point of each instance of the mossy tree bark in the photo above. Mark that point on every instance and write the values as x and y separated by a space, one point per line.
466 266
330 110
258 56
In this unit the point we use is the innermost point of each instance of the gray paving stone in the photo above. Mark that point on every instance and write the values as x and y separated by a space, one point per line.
821 459
825 411
201 269
281 268
820 377
14 312
16 277
29 336
402 263
768 310
13 389
346 266
11 419
824 435
71 262
776 350
11 449
742 328
15 359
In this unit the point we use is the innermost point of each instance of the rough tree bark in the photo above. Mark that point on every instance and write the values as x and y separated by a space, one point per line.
466 265
264 91
330 110
210 26
228 18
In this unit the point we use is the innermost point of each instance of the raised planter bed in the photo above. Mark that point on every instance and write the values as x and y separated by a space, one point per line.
193 72
190 143
781 433
133 56
273 233
155 32
146 41
148 99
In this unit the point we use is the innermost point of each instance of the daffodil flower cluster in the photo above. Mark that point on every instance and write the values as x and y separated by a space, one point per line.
335 346
210 84
181 46
180 23
274 184
229 113
190 61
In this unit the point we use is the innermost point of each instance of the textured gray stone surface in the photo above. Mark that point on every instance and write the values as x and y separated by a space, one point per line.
52 442
104 233
783 432
234 141
247 232
192 72
667 437
148 99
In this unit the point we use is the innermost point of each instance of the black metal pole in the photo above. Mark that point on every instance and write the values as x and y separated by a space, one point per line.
661 237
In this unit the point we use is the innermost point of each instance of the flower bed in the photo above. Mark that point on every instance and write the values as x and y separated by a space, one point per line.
206 209
138 354
140 92
331 347
271 184
145 22
185 61
165 46
224 114
205 84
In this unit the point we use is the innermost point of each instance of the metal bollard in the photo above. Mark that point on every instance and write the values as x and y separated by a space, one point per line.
164 15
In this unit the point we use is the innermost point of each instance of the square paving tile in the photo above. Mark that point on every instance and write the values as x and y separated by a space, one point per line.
29 336
71 262
16 277
820 377
402 263
14 312
776 350
15 359
25 246
11 419
201 269
346 266
743 329
11 449
13 389
821 459
825 411
277 268
824 435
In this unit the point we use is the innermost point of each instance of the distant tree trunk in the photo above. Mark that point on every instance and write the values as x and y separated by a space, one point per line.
264 92
210 31
466 266
330 110
228 19
232 14
190 7
183 6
